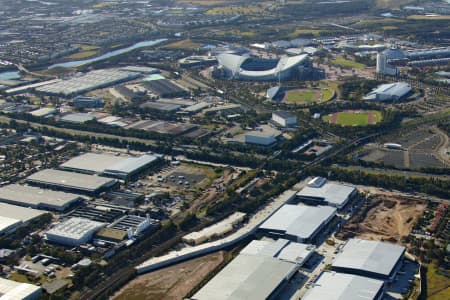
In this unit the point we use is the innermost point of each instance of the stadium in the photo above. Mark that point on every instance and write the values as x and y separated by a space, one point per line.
258 69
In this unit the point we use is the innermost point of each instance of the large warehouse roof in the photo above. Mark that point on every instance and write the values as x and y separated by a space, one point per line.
331 192
247 277
74 228
390 90
299 220
12 216
70 180
338 286
369 256
29 196
108 163
12 290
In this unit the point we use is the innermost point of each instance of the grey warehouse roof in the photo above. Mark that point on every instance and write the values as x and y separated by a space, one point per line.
299 220
371 256
397 89
247 277
338 286
70 180
331 192
35 197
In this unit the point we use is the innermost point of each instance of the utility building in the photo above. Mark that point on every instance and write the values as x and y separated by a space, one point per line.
74 231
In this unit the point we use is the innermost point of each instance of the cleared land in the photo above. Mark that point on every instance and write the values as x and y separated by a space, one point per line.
384 217
346 63
184 44
83 54
171 283
354 117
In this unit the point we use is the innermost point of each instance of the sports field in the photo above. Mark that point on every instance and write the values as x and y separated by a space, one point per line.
346 63
308 96
354 117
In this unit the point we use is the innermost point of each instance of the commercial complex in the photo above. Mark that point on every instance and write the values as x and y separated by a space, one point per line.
256 69
12 217
374 259
323 192
389 92
12 290
338 286
70 181
300 223
74 231
214 231
122 167
284 118
28 196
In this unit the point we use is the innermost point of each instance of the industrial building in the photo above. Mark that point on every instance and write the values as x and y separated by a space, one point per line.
87 82
74 231
160 106
44 112
72 182
214 231
12 290
88 102
28 196
224 109
389 92
78 118
373 259
256 69
196 108
164 88
13 217
319 191
258 272
264 135
133 225
300 223
197 61
122 167
337 286
284 118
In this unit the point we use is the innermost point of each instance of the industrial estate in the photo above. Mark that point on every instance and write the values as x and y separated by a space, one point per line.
225 150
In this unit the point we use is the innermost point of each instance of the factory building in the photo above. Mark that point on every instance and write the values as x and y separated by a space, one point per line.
319 191
74 231
214 231
224 109
13 217
197 61
260 271
389 92
284 118
28 196
122 167
72 182
300 223
133 225
337 286
12 290
88 102
375 259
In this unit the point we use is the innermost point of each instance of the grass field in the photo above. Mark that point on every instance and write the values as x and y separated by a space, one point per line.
83 54
184 44
438 286
340 61
354 117
307 96
430 17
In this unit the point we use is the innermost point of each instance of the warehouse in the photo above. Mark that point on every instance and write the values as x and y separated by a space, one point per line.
43 112
319 191
250 277
12 290
133 225
389 92
122 167
336 286
73 232
214 231
264 135
28 196
78 118
298 223
164 88
373 259
72 182
12 217
160 106
284 118
88 102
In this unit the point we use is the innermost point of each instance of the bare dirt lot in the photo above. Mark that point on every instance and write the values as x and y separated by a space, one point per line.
384 218
170 283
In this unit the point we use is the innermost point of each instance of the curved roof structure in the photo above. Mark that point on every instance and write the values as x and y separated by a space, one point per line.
234 64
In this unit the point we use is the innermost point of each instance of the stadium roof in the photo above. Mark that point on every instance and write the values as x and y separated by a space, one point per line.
331 192
339 286
371 256
35 197
12 290
247 277
299 220
70 180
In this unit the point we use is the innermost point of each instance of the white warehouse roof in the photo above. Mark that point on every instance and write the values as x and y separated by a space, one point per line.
389 91
375 257
34 197
12 216
73 231
12 290
338 286
334 193
299 220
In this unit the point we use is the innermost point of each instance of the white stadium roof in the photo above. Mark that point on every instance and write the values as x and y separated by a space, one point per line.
370 256
338 286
